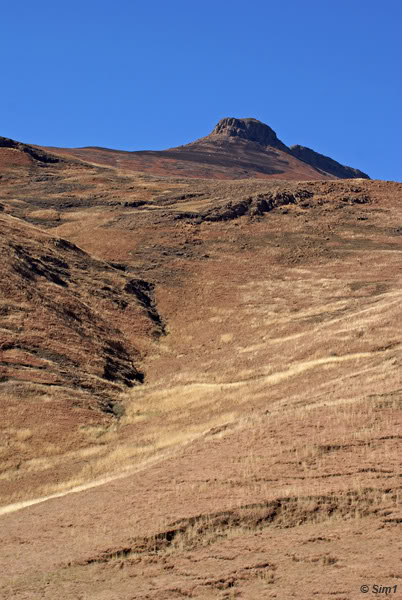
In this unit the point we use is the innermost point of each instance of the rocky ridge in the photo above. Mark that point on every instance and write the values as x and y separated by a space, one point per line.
326 164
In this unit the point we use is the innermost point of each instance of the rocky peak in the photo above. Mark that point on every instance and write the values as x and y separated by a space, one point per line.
251 130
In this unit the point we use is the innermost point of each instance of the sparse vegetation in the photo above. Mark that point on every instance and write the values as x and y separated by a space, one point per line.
258 438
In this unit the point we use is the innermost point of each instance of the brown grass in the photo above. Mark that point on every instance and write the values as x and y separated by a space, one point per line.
270 412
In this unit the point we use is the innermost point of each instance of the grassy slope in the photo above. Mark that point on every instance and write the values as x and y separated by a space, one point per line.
266 433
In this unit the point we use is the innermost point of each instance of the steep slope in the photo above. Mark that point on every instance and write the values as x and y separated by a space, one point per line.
73 333
326 164
235 149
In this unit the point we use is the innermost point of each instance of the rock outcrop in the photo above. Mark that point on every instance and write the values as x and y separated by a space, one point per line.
36 153
251 130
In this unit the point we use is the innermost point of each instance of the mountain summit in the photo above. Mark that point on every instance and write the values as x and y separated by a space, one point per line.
251 130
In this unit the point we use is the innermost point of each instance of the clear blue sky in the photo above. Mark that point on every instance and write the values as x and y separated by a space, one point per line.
151 75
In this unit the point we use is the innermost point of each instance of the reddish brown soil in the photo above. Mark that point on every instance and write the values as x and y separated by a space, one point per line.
260 457
10 157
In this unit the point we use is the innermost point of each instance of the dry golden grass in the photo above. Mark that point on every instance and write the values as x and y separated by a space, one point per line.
278 379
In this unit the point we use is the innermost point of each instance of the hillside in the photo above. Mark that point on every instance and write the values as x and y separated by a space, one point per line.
243 439
73 335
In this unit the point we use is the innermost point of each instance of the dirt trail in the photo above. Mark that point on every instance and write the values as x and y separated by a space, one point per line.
275 377
79 488
265 379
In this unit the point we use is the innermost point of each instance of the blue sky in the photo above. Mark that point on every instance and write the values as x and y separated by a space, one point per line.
151 75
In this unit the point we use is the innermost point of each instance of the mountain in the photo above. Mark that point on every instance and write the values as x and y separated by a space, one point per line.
235 149
200 379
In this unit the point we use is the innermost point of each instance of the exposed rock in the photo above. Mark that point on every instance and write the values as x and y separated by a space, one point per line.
251 130
40 155
252 206
144 292
134 204
118 365
30 268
